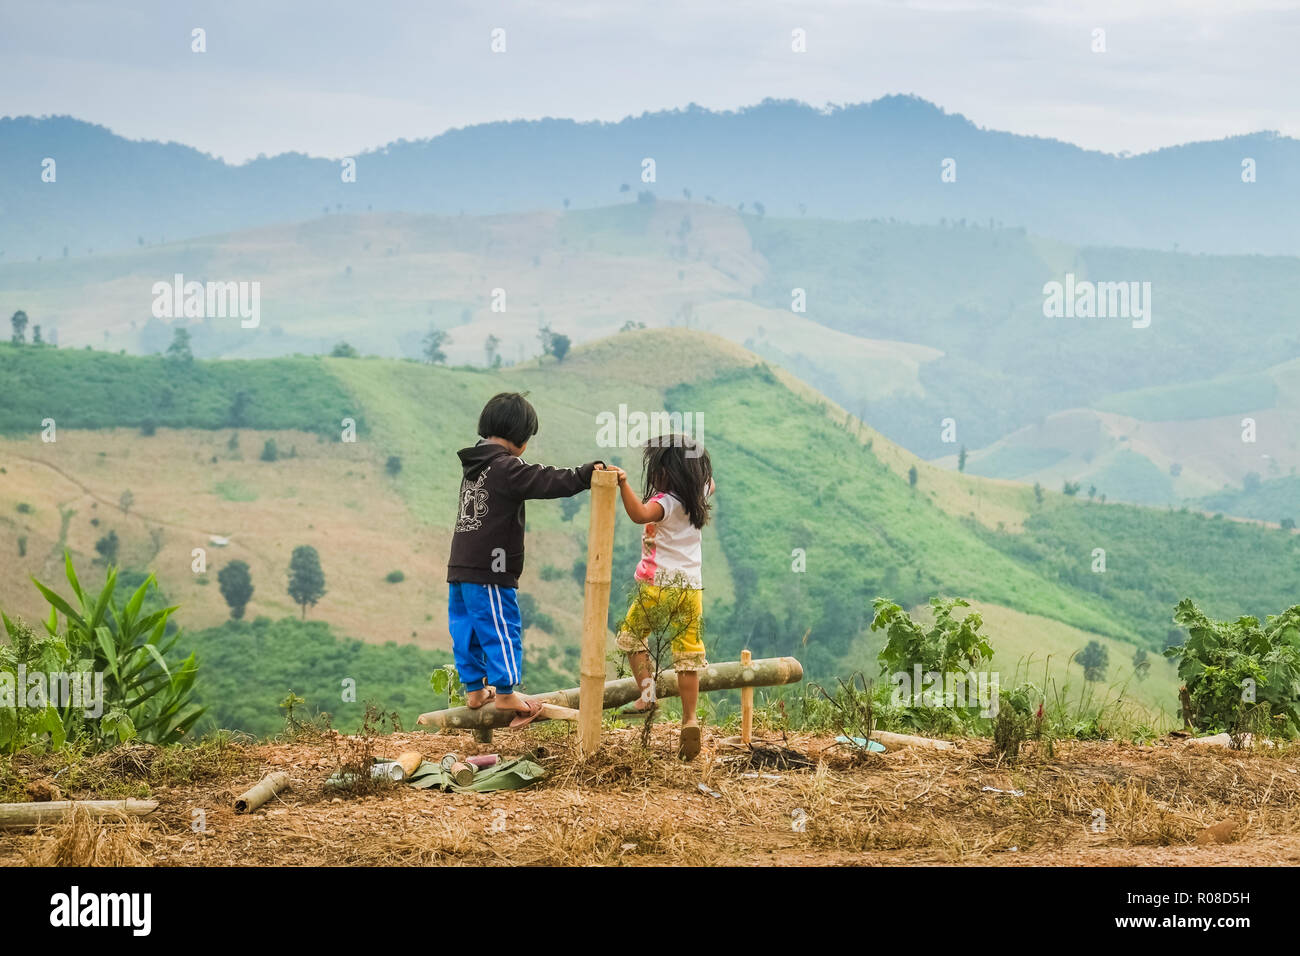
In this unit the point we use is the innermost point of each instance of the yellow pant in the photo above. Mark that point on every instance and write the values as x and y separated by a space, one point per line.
660 616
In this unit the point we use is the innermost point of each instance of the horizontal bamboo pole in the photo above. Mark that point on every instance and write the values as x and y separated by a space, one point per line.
768 672
53 811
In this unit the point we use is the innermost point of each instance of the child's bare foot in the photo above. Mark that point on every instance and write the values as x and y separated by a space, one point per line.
526 708
477 698
512 701
688 747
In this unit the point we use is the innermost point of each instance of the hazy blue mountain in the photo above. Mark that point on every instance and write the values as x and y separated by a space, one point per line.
877 160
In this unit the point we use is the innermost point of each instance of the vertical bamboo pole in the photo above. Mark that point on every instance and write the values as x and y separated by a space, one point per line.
595 612
746 702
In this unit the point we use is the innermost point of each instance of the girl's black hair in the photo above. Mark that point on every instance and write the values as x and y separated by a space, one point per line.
679 465
508 415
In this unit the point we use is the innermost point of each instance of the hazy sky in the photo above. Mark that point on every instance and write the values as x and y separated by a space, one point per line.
332 78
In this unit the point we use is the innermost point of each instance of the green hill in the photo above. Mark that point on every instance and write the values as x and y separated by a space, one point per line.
793 472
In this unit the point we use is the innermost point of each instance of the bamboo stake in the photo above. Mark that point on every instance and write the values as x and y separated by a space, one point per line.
746 702
269 786
765 672
595 612
52 811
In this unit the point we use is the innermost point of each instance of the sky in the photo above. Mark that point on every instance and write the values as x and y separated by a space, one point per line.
334 78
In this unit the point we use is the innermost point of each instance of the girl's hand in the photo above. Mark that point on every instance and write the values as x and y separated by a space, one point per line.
622 475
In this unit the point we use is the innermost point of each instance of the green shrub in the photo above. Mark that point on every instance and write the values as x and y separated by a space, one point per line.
395 577
1231 669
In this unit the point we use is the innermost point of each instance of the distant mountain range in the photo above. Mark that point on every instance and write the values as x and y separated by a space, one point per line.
881 160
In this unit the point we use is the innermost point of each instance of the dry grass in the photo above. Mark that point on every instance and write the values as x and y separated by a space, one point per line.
83 840
628 805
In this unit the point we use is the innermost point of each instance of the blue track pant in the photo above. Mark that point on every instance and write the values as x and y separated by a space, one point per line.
485 635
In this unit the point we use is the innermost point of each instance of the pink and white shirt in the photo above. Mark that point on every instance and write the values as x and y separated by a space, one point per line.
671 548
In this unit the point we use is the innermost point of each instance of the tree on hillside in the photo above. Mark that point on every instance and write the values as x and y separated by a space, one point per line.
1094 659
394 465
19 322
36 335
431 346
1141 664
559 346
306 579
961 459
491 349
912 475
270 450
126 501
107 547
1038 492
236 587
237 416
343 350
180 352
1070 488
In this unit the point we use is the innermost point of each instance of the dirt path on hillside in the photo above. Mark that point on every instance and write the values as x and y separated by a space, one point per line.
1100 804
88 493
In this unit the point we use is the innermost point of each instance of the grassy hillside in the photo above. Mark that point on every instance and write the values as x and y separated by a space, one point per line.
904 325
249 667
1274 500
793 472
1206 444
91 389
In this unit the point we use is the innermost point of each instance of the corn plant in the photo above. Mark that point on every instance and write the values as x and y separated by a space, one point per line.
144 696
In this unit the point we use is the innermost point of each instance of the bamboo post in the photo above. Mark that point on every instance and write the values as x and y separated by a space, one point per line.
746 702
595 611
53 811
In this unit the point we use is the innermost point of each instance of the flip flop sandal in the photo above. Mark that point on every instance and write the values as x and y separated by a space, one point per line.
527 717
491 696
631 713
688 747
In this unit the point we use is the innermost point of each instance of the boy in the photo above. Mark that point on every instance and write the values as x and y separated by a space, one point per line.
487 552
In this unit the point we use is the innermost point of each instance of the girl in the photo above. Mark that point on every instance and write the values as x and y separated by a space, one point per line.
666 604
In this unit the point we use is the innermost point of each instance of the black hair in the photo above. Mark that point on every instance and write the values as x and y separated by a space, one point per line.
679 465
508 415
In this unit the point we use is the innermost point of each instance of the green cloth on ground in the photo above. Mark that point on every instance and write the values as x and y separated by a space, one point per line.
510 775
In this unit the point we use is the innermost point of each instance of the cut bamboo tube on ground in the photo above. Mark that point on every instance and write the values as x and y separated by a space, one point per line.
907 740
595 608
746 702
410 761
729 675
270 785
53 811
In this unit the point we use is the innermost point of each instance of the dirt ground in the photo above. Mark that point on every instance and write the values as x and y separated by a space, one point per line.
1093 803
